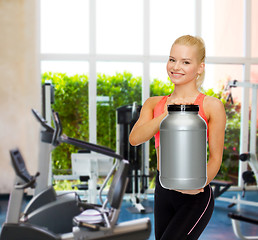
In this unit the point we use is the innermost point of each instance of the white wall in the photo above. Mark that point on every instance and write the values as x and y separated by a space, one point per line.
20 86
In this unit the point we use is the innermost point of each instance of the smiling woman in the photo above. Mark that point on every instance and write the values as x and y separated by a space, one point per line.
183 65
185 68
190 59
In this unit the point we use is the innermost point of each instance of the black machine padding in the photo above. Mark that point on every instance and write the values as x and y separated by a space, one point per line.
19 165
118 185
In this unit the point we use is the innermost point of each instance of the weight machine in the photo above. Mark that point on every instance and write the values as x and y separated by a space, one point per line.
139 167
249 158
45 149
49 217
86 165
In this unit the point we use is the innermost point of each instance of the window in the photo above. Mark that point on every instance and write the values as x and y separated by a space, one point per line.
69 67
254 29
110 36
119 27
64 26
168 20
217 75
223 29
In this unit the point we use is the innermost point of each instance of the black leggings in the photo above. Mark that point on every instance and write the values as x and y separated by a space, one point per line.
181 216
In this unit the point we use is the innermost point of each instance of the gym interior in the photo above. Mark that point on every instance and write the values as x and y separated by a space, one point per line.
74 77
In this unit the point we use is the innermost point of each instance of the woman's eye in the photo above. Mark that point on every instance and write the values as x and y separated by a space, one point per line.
172 60
186 62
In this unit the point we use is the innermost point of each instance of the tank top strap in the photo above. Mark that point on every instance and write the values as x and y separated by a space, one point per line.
199 101
159 108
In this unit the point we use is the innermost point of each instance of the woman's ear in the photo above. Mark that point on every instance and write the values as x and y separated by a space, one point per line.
201 68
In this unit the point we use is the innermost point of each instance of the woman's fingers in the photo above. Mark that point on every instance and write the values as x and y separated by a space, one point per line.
191 192
180 101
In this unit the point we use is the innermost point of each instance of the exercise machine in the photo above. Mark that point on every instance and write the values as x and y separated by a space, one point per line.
139 167
14 228
93 222
88 167
99 221
45 149
220 186
43 220
236 219
249 159
46 207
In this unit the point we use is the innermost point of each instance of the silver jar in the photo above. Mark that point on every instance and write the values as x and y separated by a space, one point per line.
183 148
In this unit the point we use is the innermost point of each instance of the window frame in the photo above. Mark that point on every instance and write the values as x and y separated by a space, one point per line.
147 59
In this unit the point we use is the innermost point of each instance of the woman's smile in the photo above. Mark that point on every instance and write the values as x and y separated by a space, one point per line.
177 75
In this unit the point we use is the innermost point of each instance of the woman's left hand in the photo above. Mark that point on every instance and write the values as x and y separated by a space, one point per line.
191 192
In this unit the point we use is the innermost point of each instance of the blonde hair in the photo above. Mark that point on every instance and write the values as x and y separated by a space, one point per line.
189 40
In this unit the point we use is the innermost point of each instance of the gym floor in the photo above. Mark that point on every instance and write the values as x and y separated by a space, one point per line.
219 227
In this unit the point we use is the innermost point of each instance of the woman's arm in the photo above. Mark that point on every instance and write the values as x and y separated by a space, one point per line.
217 124
146 126
215 112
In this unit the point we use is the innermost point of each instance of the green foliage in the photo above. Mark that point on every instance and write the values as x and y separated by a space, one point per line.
229 166
160 88
121 89
71 102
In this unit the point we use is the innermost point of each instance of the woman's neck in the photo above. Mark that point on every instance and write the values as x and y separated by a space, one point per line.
180 92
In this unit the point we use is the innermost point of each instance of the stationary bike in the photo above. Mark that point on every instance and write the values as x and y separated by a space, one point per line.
44 220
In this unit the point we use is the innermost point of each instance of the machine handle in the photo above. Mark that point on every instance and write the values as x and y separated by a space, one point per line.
57 130
30 184
58 137
90 146
244 157
242 218
42 121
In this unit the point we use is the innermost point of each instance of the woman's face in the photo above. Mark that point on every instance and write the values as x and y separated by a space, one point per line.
183 65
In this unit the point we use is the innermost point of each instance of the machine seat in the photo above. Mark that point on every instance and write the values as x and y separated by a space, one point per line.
220 187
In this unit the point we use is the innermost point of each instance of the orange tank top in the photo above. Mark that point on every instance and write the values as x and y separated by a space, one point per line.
159 109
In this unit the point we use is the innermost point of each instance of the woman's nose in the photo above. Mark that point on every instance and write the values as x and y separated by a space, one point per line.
176 66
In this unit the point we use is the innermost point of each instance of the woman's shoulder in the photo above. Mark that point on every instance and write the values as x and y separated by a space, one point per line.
213 105
212 101
152 101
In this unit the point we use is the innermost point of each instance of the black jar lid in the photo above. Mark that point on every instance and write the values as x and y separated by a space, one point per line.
183 108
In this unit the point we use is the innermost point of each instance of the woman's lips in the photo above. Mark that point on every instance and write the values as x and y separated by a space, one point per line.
177 75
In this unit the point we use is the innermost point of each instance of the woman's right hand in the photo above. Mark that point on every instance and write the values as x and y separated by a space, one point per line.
178 101
146 126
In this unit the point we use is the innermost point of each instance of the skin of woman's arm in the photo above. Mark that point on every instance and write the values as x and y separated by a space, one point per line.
217 124
215 112
146 126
